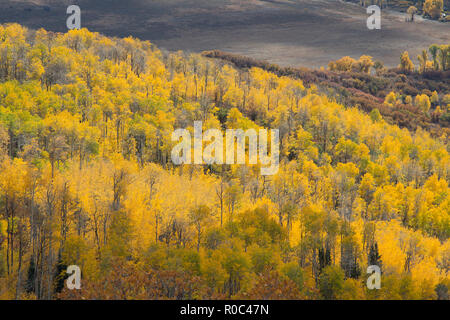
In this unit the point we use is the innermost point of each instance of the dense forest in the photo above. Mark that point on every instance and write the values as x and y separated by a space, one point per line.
86 176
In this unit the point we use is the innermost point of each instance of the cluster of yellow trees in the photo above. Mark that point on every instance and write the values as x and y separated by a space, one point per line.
433 8
440 60
440 55
430 8
346 64
86 179
423 101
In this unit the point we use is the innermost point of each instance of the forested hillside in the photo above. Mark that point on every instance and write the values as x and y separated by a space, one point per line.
410 96
86 179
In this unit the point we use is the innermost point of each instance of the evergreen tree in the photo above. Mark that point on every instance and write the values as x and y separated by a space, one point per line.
324 258
31 277
374 257
60 274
